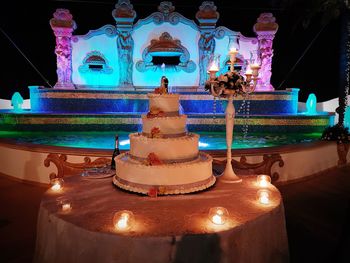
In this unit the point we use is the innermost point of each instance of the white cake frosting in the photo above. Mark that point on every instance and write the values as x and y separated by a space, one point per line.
175 125
168 103
177 149
166 160
173 178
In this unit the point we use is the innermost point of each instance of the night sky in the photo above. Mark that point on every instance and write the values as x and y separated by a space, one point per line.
317 71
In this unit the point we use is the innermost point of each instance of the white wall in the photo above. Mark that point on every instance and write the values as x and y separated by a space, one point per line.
105 45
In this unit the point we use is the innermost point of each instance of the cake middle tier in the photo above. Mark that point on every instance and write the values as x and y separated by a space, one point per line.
179 149
174 126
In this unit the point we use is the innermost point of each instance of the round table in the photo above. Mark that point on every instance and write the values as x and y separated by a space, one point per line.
166 228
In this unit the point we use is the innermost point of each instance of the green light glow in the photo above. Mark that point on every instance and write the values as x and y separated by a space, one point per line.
105 140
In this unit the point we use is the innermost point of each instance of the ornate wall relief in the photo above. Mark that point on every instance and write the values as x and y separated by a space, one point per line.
166 49
95 61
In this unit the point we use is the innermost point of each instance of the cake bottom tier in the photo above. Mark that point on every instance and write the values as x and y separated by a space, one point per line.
165 179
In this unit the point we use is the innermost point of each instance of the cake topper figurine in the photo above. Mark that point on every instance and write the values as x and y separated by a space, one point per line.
164 83
163 89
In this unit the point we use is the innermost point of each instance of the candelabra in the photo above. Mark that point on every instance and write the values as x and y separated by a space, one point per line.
246 86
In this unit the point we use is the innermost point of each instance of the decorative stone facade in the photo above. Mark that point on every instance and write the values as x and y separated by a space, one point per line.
126 50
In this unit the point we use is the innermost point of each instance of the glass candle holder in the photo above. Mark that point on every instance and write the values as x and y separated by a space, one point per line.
264 196
123 220
263 180
56 184
218 215
64 204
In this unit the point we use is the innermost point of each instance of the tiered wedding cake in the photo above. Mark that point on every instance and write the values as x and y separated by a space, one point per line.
163 159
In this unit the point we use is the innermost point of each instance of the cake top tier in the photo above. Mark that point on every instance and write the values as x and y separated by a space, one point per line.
167 103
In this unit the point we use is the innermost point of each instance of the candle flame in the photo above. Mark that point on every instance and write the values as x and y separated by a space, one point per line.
249 72
123 221
56 187
264 198
214 67
217 220
233 50
66 207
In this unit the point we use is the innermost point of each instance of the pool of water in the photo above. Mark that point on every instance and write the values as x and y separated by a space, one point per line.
208 140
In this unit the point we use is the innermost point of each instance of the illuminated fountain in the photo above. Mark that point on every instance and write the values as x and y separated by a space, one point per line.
103 78
16 102
311 103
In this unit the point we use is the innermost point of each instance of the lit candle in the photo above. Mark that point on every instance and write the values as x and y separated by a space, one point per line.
263 180
233 52
248 75
217 220
56 184
56 187
254 66
213 68
218 215
212 71
249 72
123 220
66 207
264 197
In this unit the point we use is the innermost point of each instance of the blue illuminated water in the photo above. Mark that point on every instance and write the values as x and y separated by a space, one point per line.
208 140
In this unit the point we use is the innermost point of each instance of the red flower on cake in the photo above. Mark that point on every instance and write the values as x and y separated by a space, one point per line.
155 112
155 132
153 159
153 192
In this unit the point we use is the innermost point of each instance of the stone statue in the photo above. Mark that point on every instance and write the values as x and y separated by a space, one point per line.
63 25
265 28
125 45
124 15
207 17
206 50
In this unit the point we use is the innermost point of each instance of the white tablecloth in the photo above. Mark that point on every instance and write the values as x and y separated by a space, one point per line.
167 228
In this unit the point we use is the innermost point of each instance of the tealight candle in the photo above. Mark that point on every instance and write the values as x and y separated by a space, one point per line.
263 196
218 215
123 220
263 180
66 207
56 184
64 204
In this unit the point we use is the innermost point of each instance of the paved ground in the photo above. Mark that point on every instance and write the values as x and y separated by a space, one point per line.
317 218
